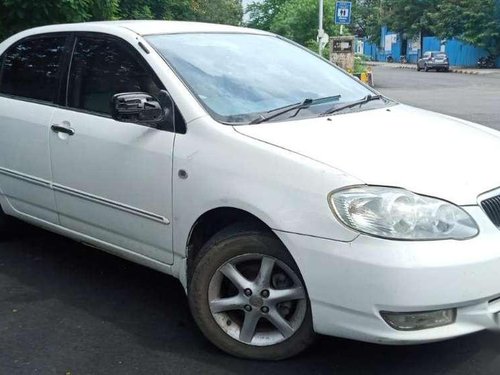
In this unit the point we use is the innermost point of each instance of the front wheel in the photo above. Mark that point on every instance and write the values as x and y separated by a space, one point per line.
4 222
248 297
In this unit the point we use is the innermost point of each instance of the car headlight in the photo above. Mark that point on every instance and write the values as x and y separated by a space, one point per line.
400 214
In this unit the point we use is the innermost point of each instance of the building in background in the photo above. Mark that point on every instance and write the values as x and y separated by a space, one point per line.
394 45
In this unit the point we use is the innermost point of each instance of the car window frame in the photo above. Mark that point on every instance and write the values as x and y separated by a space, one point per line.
124 43
180 126
55 101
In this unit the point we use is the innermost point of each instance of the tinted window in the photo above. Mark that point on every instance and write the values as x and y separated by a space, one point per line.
31 68
102 68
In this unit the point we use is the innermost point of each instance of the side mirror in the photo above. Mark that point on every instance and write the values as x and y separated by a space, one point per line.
137 107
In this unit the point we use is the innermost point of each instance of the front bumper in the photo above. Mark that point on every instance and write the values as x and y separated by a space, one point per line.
349 283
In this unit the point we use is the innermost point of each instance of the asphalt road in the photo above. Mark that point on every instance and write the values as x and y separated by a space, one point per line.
69 309
471 97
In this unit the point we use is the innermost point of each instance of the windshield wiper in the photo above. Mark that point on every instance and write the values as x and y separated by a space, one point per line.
306 103
366 99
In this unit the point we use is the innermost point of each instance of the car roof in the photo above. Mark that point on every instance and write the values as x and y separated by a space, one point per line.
149 27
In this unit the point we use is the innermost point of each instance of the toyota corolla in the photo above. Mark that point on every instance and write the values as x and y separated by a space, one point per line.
287 197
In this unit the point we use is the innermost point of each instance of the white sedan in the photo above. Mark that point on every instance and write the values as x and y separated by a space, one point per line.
288 198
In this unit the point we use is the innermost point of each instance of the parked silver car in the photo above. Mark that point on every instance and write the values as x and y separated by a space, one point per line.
434 60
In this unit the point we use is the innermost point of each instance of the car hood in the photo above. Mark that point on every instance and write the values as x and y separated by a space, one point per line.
422 151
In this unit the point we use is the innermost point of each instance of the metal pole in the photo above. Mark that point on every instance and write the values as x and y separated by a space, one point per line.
320 30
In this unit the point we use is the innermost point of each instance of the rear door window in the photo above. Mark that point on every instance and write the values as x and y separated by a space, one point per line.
31 68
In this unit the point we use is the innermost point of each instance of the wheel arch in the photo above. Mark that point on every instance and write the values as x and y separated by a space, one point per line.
212 222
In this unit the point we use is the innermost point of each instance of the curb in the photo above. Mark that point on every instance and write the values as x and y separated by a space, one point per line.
414 67
464 71
452 70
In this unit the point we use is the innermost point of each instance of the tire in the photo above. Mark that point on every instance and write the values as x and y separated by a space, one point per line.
263 261
418 69
5 222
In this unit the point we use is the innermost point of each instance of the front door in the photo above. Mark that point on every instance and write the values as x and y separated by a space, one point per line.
112 180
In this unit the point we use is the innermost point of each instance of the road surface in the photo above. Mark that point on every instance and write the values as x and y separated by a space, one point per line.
471 97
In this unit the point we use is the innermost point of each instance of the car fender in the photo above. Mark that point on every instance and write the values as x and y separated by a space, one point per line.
223 168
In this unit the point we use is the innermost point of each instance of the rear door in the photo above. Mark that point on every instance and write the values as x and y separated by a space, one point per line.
30 74
112 180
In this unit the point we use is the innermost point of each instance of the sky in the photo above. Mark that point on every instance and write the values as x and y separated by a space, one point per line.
246 2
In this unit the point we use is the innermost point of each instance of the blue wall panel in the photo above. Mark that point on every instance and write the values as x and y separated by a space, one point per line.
431 43
370 49
463 54
460 53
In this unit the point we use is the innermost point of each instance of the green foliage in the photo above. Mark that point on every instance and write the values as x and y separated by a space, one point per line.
216 11
157 9
359 65
261 14
219 11
17 15
474 21
298 20
410 17
101 10
314 47
367 19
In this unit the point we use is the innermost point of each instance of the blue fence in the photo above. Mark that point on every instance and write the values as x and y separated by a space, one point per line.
460 53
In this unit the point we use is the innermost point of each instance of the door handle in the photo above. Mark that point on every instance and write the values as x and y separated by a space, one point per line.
62 129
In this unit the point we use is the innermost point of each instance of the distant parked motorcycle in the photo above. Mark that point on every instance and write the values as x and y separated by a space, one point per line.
403 59
488 62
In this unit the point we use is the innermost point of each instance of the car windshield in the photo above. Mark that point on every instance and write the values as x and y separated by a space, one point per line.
439 55
239 77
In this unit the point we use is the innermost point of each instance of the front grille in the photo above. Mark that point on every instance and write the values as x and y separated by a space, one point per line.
492 208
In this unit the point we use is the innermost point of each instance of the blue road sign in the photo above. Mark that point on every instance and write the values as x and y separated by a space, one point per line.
343 12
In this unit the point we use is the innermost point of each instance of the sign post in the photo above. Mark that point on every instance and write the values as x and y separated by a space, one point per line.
321 32
342 47
343 12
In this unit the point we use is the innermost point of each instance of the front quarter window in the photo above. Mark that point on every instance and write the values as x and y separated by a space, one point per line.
239 76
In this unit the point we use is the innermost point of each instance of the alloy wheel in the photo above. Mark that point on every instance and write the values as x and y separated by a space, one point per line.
257 299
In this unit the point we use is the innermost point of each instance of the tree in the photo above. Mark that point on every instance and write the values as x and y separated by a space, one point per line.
262 14
17 15
218 11
367 19
156 9
298 20
101 10
474 21
408 16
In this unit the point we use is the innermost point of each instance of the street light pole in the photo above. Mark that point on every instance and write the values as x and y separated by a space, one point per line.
320 29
